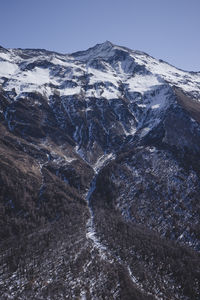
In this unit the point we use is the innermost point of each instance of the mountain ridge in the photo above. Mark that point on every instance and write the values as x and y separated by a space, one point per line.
99 44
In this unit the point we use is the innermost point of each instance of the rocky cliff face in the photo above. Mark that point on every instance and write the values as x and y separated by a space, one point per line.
99 176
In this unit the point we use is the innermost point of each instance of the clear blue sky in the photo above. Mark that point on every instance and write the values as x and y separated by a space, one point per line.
166 29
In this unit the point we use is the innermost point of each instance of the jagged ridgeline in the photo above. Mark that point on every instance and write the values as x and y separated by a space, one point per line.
99 176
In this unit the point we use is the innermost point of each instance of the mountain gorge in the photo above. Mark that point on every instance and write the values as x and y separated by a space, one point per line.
99 176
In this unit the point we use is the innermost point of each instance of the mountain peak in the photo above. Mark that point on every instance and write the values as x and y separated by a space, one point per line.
106 44
99 50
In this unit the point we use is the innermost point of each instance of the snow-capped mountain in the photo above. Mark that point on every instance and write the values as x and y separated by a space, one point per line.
99 175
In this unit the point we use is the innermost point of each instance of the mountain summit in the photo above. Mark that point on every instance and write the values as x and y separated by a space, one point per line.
100 176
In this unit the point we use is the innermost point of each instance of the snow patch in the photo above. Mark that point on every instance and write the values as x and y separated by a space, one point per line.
70 91
142 105
102 161
8 68
145 131
155 106
142 83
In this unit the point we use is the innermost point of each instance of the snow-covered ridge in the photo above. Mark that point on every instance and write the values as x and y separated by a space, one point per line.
104 68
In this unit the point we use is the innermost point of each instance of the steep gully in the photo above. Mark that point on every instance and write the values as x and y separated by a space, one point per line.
91 234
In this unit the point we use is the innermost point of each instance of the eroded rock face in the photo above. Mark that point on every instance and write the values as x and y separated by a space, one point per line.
99 176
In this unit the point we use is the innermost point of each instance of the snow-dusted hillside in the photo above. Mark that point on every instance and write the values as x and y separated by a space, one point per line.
100 176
